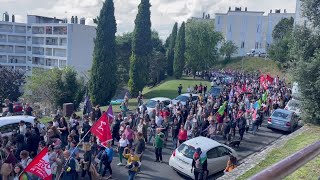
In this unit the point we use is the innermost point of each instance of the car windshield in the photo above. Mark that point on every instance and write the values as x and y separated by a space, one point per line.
280 115
182 98
187 150
151 104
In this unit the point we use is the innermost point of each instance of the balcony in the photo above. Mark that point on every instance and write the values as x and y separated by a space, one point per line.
17 59
61 30
37 40
37 30
59 52
63 42
37 51
38 61
52 41
6 28
20 29
6 49
62 63
21 49
52 62
48 30
17 39
3 59
3 38
48 52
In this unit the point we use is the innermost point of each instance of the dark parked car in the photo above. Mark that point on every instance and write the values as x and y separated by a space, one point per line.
216 91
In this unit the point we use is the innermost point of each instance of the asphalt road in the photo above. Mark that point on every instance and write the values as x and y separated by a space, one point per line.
162 171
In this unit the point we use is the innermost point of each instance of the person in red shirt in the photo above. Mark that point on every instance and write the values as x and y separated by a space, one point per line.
183 135
164 113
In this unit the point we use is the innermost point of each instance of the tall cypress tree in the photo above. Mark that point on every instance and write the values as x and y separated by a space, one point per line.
170 52
103 83
141 49
179 51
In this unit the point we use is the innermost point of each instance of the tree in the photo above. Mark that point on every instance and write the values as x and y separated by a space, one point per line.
228 48
310 9
141 49
279 51
170 52
179 51
54 87
103 81
308 78
282 29
11 80
158 60
201 45
124 51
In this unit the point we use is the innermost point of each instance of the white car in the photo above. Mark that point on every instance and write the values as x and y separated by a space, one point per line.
152 103
183 98
217 155
294 106
11 123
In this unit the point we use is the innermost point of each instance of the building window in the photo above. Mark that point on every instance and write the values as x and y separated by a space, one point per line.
258 28
218 19
256 46
230 28
242 45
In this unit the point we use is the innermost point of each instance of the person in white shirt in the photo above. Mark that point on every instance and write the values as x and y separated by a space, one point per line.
159 120
123 143
22 128
189 89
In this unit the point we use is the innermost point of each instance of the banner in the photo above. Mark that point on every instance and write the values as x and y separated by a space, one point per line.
101 129
40 166
110 114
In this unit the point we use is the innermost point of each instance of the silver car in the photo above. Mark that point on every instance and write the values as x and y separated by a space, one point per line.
284 120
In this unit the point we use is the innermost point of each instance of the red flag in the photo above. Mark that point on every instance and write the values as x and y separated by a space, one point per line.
244 88
40 166
270 78
262 79
101 129
110 114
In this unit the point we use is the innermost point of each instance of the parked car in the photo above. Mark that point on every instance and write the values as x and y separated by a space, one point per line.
183 98
11 123
217 154
294 106
256 52
152 103
284 120
216 91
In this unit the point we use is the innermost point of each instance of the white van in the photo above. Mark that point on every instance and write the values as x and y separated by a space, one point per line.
11 123
257 52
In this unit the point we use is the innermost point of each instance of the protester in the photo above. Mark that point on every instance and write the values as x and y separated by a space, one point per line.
231 164
69 171
158 144
199 164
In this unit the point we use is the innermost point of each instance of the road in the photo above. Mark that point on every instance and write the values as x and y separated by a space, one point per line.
162 171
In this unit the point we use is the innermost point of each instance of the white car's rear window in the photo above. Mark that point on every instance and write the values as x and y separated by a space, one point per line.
186 150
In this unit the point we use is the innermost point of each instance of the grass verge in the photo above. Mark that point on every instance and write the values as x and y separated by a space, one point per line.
310 171
169 88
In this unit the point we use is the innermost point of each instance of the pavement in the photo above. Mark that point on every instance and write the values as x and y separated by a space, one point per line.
162 171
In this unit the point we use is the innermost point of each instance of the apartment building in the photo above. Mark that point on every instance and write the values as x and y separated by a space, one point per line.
45 43
249 29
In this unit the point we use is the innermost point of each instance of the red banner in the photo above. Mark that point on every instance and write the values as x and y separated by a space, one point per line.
270 78
40 166
101 129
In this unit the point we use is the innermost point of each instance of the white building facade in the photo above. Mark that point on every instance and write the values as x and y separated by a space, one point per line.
249 29
46 43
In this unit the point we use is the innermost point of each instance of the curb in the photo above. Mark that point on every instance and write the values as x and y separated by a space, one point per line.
255 158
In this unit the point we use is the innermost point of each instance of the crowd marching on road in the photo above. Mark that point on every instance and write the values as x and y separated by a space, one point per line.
75 152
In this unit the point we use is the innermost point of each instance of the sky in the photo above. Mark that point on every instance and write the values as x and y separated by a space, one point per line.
163 12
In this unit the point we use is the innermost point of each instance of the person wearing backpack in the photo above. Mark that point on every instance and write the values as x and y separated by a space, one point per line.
25 158
199 164
18 169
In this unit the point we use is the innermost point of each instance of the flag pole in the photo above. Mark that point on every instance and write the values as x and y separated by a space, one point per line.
65 164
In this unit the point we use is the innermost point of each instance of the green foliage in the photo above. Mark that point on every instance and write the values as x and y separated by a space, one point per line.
124 51
282 29
201 45
170 51
310 9
227 49
10 80
157 60
55 87
308 78
304 44
103 81
141 49
280 50
179 52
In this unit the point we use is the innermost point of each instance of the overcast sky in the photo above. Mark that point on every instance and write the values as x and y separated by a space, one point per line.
163 12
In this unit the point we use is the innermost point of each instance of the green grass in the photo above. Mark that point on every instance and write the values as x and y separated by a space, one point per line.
45 119
169 88
310 171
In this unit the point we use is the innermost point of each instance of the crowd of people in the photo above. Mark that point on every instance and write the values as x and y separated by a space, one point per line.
234 111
